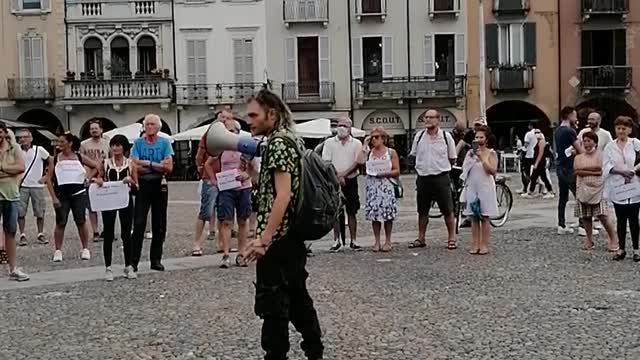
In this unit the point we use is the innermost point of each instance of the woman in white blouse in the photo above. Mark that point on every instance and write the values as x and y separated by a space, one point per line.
622 185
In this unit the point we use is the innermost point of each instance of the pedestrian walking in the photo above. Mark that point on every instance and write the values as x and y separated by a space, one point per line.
32 184
11 166
95 148
567 146
345 153
528 155
589 191
478 171
153 158
622 184
281 289
434 152
381 206
118 168
539 168
67 188
207 168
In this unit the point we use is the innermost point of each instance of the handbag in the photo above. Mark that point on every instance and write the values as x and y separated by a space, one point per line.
398 190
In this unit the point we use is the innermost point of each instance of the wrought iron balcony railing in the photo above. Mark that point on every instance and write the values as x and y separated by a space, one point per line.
31 89
216 94
322 92
604 7
603 78
511 6
118 89
519 78
303 11
410 88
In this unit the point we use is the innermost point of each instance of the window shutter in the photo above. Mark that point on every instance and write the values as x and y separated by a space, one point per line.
37 63
429 69
16 5
191 61
356 61
44 5
248 60
201 61
323 49
387 57
238 61
290 56
529 35
461 66
26 58
491 44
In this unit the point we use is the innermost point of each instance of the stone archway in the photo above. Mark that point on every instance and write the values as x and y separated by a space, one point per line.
47 120
609 108
511 118
107 125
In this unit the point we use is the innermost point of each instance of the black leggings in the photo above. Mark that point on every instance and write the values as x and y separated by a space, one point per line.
109 220
540 172
624 213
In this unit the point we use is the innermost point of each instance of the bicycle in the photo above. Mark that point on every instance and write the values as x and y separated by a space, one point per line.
504 196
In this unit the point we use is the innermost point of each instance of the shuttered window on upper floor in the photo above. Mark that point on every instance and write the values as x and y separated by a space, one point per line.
510 44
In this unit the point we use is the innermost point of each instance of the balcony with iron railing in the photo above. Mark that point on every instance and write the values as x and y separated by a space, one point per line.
605 78
144 90
371 9
511 7
444 8
416 87
591 8
23 89
216 94
313 92
506 78
304 11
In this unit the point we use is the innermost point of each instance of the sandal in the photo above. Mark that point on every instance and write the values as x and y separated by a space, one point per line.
474 251
483 252
376 248
4 259
197 252
386 248
452 245
417 244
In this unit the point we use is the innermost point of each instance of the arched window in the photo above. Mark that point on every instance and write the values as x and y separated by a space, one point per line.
93 56
146 54
120 58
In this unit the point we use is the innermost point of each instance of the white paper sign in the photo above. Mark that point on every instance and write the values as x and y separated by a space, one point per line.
227 180
626 191
375 167
112 195
69 172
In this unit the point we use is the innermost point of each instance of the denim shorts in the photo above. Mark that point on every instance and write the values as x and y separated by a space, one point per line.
9 213
208 196
234 203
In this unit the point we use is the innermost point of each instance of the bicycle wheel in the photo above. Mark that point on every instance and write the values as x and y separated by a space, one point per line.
434 211
505 202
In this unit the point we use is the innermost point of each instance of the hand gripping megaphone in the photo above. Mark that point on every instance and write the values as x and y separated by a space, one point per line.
219 139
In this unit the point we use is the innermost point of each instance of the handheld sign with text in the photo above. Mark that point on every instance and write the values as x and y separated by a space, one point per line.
375 167
227 180
112 195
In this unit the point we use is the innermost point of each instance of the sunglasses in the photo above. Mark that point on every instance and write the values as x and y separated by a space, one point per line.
376 137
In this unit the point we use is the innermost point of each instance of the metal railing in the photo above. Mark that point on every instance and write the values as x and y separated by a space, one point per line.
512 78
311 92
305 10
437 7
410 87
31 89
511 6
605 7
205 94
608 77
371 7
118 89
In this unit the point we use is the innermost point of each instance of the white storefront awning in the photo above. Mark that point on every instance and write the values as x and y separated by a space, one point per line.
312 115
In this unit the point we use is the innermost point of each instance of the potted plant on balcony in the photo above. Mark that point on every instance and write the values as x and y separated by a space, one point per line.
165 73
70 75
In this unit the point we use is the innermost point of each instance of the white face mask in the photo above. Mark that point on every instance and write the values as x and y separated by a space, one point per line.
343 132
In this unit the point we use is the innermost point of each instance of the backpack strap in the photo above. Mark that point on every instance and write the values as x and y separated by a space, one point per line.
35 155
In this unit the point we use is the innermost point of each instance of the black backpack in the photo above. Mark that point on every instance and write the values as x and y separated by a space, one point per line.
318 205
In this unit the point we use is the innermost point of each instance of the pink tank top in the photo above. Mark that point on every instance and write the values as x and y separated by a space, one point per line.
231 160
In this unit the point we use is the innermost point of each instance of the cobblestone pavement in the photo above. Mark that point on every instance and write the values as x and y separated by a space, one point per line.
536 296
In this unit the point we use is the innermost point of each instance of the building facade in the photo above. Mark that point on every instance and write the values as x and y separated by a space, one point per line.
220 57
598 42
407 57
521 66
33 62
120 63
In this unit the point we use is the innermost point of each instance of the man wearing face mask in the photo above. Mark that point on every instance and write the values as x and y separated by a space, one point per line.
345 153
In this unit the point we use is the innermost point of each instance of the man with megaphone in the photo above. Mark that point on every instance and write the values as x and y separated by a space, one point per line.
281 290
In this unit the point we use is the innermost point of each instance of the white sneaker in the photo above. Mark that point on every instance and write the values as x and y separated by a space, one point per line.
57 256
583 232
527 196
129 273
108 274
549 195
521 191
86 254
575 225
18 275
564 230
597 225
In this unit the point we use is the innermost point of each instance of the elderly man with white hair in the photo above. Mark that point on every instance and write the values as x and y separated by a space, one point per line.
152 156
345 153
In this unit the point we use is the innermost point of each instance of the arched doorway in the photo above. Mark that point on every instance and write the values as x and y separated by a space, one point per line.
47 120
509 119
107 125
609 108
120 58
146 55
165 127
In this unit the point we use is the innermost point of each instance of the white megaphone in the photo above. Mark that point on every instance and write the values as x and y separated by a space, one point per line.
219 139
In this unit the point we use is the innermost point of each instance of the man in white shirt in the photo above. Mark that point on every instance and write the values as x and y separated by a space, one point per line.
593 124
530 142
345 153
32 184
434 151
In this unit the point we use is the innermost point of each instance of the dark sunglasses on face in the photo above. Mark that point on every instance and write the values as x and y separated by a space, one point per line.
376 137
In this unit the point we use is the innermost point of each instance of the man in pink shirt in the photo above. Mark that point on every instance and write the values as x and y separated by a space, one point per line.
234 203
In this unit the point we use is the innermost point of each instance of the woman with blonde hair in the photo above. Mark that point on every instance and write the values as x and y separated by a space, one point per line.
382 166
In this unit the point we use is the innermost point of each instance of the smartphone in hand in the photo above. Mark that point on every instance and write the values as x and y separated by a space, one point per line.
475 146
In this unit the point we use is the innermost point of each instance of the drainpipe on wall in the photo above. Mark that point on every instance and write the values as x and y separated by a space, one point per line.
559 68
66 42
409 104
350 59
175 66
